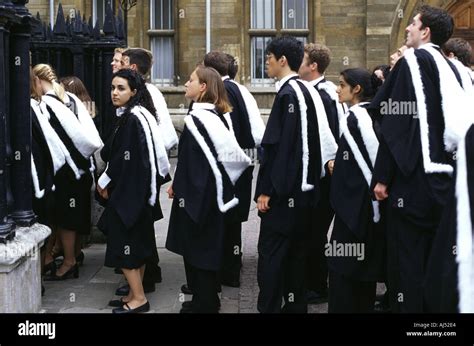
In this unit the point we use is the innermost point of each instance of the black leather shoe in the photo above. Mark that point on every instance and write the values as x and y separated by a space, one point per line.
73 272
186 290
123 291
143 308
313 297
231 283
116 303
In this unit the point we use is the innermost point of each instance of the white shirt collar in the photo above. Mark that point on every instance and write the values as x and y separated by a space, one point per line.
429 44
282 81
316 81
225 78
119 111
203 105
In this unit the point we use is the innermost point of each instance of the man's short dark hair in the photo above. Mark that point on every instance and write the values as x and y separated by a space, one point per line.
218 61
289 47
439 21
319 54
233 66
140 57
460 48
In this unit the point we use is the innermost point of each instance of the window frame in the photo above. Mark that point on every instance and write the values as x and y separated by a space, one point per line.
95 11
277 31
173 33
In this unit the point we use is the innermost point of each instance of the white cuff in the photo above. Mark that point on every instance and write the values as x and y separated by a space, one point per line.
104 180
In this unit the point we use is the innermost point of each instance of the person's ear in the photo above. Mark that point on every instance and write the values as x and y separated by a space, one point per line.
426 33
314 66
134 67
202 87
357 89
134 92
283 60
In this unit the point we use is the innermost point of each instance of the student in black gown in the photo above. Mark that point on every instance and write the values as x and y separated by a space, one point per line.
449 281
72 123
45 162
137 165
315 62
210 162
422 101
356 250
248 127
288 181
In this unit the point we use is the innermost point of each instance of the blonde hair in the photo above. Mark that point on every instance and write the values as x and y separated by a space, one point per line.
119 50
46 73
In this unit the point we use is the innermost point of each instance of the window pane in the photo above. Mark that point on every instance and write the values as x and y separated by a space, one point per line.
259 76
163 60
295 14
163 15
101 6
262 14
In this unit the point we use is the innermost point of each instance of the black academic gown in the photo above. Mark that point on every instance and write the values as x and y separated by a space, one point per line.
416 199
76 215
196 227
316 269
243 134
284 228
280 174
128 217
354 224
441 282
43 207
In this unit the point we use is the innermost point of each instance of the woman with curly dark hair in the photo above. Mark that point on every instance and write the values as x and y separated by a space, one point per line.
137 165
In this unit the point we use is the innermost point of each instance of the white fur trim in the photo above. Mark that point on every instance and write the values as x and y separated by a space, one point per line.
34 175
328 145
430 167
257 126
464 246
151 154
166 127
223 207
304 134
85 138
160 149
55 144
233 158
331 88
457 108
370 142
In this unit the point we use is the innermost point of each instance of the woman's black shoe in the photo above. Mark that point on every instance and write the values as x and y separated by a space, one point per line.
186 290
143 308
116 303
73 272
50 267
80 259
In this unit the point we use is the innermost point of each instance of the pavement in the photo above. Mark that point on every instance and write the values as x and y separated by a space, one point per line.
91 292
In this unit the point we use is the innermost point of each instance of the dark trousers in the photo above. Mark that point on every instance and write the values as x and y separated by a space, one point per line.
408 249
204 286
232 259
316 263
350 296
280 272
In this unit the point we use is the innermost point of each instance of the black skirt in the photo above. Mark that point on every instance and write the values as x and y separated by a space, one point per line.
73 201
128 248
44 208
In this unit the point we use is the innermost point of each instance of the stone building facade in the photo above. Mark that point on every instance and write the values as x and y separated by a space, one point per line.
360 33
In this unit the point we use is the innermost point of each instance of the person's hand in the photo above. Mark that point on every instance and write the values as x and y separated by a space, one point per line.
262 203
331 166
104 193
380 192
170 192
